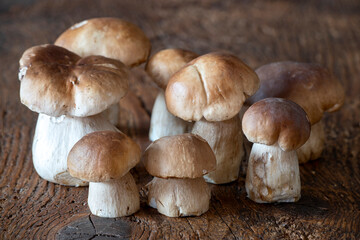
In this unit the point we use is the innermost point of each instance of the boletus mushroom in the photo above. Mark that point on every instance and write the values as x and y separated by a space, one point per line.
311 86
161 67
277 127
109 37
104 159
69 93
211 90
178 164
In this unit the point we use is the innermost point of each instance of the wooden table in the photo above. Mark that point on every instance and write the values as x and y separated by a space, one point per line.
259 32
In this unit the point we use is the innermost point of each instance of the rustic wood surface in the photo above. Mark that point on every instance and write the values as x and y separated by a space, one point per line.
326 32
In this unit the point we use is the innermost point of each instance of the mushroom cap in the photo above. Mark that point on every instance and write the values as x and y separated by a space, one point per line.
102 156
109 37
311 86
213 86
56 82
276 120
165 63
180 156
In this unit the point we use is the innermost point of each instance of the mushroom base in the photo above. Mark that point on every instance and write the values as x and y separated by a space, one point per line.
163 123
314 146
225 139
116 198
179 197
53 140
272 175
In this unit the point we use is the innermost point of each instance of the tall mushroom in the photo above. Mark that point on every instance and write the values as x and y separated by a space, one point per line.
311 86
69 93
104 159
109 37
161 67
178 164
211 90
277 127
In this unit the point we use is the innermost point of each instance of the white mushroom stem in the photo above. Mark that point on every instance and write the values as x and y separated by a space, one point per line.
53 140
163 123
179 197
314 146
225 139
115 198
272 175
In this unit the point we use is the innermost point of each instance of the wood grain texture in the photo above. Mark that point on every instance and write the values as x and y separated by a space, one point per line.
259 32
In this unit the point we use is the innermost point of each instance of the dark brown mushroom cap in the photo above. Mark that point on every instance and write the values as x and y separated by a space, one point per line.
55 81
165 63
276 120
102 156
311 86
109 37
180 156
213 86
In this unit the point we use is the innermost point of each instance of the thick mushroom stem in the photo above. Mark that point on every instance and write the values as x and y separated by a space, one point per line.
175 197
225 139
112 114
272 175
115 198
314 146
163 123
53 140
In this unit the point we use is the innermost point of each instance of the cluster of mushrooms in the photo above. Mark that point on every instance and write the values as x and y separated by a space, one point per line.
205 105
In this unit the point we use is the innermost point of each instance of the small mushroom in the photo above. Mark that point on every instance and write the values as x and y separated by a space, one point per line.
69 93
161 67
104 159
277 127
211 90
108 37
311 86
178 164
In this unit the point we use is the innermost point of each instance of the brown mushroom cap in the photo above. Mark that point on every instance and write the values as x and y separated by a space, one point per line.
311 86
213 86
180 156
102 156
278 120
109 37
55 81
165 63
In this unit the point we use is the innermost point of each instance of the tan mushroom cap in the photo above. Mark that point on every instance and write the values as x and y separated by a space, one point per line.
278 120
102 156
56 82
311 86
213 86
109 37
180 156
165 63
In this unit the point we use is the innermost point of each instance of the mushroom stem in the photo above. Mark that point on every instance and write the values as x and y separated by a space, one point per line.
225 139
314 146
175 197
115 198
272 175
53 140
163 123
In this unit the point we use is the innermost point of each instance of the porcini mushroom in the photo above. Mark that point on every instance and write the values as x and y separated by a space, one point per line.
161 67
178 164
69 93
277 127
109 37
311 86
104 159
211 90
